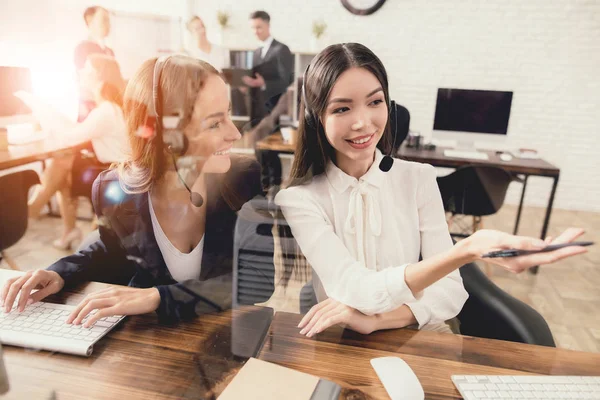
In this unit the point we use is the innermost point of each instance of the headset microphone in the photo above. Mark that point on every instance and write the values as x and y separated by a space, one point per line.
387 161
176 142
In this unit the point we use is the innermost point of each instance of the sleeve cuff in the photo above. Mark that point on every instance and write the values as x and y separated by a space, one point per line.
397 288
421 312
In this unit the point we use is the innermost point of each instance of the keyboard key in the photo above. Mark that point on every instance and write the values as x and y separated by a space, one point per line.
491 386
473 386
495 379
479 394
103 324
492 394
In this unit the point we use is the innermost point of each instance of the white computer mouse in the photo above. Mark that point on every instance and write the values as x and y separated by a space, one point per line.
398 378
505 157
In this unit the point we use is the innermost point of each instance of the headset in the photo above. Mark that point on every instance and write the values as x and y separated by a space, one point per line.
176 142
313 120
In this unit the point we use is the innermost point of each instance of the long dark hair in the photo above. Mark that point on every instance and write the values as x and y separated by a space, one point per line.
313 150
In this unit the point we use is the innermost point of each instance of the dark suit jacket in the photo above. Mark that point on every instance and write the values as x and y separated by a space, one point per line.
127 251
280 65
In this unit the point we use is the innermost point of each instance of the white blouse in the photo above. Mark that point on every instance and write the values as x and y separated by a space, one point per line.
105 127
218 56
360 235
181 266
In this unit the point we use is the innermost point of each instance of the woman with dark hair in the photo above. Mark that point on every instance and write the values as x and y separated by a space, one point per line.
104 127
167 213
364 230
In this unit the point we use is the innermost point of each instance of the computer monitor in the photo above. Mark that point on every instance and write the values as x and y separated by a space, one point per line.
12 109
470 116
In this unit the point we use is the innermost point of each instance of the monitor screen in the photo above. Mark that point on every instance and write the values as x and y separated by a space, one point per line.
478 111
13 79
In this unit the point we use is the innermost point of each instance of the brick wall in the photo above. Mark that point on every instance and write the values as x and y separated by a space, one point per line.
546 51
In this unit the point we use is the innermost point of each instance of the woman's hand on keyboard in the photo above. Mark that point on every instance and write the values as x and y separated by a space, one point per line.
115 301
45 282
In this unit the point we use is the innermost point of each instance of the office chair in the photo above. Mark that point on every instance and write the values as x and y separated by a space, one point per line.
492 313
85 172
401 118
489 312
474 191
14 190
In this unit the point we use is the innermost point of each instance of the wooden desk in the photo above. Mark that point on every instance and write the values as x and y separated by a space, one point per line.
141 359
22 154
437 158
344 356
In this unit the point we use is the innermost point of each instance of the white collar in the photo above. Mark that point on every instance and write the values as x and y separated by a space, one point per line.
341 181
267 43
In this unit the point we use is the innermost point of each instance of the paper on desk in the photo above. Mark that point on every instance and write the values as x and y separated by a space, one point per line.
266 381
50 119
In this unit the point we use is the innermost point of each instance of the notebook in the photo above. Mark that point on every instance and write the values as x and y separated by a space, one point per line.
267 381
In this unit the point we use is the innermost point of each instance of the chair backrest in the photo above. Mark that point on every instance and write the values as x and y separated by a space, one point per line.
14 190
492 313
474 190
84 175
401 119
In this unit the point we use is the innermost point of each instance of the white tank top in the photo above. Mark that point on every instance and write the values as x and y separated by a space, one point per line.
182 266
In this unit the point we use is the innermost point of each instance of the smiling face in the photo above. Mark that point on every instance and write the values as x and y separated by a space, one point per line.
211 133
355 117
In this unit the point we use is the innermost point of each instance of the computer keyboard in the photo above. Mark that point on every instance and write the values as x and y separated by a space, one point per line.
474 387
476 155
42 326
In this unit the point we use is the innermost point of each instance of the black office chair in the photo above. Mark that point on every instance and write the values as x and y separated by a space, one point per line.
85 171
14 190
474 191
401 119
492 313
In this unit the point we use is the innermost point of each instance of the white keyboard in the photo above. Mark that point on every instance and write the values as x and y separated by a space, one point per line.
475 387
42 326
476 155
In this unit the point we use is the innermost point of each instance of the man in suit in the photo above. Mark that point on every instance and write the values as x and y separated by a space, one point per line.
275 63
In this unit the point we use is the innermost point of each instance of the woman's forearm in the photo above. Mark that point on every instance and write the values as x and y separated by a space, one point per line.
425 273
398 318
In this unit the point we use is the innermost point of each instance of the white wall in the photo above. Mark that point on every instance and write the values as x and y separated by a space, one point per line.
546 51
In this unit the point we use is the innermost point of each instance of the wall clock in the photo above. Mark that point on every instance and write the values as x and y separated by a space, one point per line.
362 7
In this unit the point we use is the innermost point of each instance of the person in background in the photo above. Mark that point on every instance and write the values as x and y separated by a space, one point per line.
97 20
104 127
204 50
278 64
174 249
364 228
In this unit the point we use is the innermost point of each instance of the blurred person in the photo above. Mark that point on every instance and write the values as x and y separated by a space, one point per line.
277 63
97 21
203 49
104 127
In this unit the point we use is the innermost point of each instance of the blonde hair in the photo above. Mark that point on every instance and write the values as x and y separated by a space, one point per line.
182 79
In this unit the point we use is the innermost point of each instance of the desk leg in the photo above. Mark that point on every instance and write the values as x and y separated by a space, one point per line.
534 270
520 206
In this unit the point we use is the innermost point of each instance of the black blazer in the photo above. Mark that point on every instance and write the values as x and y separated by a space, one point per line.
280 63
127 251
